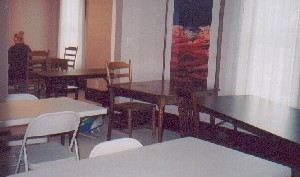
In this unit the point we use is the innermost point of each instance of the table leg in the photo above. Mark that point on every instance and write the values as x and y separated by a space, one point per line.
196 116
110 113
47 88
161 110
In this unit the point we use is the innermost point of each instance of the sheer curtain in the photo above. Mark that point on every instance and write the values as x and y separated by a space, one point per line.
71 28
262 50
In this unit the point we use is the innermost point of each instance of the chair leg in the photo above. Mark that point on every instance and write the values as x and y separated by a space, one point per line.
130 123
181 115
76 94
19 161
153 123
70 135
25 160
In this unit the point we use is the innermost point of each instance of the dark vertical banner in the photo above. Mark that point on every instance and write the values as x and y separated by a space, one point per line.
191 41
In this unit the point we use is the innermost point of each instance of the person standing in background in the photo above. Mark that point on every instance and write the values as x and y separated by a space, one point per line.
17 59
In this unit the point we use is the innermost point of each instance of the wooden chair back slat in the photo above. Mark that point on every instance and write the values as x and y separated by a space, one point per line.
71 54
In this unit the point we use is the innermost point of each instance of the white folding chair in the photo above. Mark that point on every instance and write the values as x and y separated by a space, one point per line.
20 97
41 155
16 140
114 146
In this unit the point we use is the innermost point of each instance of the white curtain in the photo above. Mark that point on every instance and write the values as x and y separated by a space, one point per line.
71 28
262 50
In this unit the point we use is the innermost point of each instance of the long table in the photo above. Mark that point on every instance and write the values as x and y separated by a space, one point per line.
158 92
267 120
50 77
188 157
23 112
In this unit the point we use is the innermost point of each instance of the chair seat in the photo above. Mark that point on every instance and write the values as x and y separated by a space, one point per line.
133 106
48 154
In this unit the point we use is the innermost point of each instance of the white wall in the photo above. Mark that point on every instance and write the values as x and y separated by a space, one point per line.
227 72
3 48
143 38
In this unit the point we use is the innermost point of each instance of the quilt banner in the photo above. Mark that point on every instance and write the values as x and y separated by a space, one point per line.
191 41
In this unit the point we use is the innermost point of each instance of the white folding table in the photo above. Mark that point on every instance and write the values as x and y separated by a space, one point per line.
186 157
22 112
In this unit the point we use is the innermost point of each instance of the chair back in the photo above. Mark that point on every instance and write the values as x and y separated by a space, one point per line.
20 97
34 66
70 54
114 146
53 123
50 124
37 60
118 70
39 55
188 109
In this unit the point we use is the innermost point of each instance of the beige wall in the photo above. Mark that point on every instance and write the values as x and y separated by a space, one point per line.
98 32
98 36
38 19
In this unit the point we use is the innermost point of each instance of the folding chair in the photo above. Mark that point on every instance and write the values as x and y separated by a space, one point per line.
114 146
41 155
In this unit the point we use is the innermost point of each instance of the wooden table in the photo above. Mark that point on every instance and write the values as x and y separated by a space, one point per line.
53 76
268 120
158 92
58 63
22 112
186 157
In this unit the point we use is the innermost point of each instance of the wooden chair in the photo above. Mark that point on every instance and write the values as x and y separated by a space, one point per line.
39 54
70 54
36 62
122 71
62 88
189 119
188 109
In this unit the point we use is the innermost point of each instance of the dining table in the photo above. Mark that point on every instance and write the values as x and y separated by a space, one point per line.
274 123
188 157
52 77
16 113
159 92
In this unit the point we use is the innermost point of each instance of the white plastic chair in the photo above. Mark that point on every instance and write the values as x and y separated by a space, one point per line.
41 155
113 146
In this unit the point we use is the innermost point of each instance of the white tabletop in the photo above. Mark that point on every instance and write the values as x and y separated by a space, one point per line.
22 112
186 157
